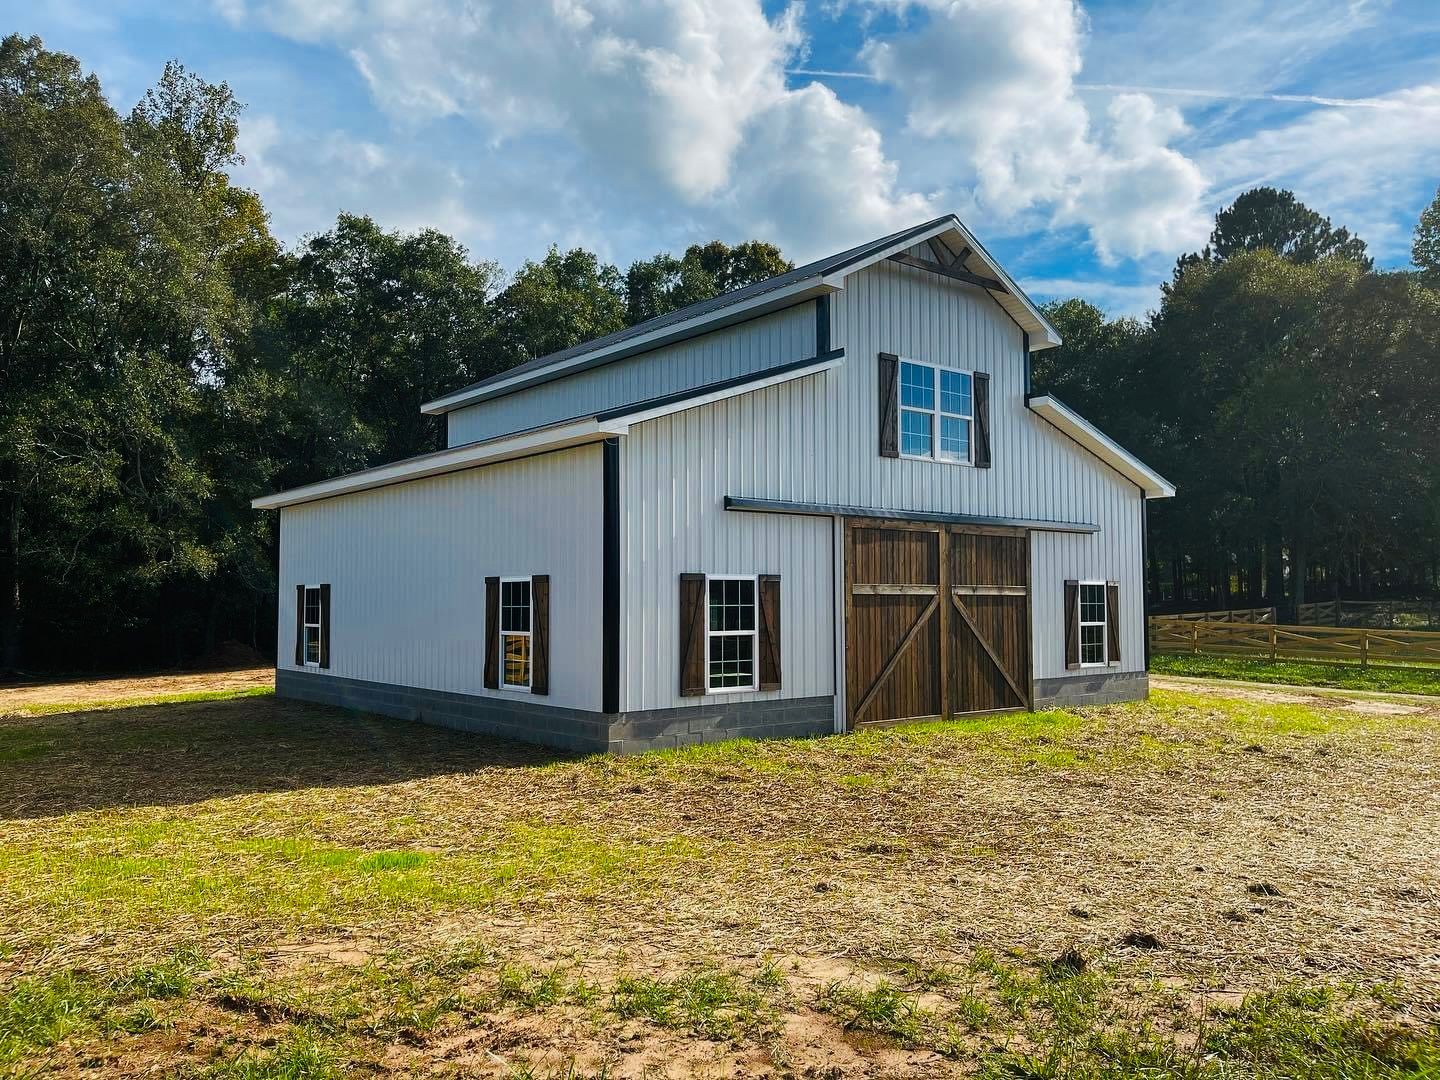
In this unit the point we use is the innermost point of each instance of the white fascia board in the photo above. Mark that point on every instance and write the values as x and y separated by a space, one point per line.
557 437
730 392
1102 446
656 339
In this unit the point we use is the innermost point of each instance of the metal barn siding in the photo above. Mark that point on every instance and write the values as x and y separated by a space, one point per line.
815 440
675 473
407 567
753 346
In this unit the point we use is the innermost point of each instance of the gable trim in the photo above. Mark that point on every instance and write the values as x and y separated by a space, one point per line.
1070 423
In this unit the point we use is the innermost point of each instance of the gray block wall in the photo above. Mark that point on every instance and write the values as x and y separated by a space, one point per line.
568 729
1095 687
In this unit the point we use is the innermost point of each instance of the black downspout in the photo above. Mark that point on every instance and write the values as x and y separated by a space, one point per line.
610 580
1145 572
822 324
1025 346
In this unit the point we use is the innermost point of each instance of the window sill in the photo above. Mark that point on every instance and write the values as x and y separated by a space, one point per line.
937 461
720 691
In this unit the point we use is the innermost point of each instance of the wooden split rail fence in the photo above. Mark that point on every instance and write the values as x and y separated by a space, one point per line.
1269 641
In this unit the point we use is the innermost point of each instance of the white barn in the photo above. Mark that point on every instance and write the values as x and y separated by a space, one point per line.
821 501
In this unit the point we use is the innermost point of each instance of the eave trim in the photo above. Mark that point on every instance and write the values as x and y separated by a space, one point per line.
781 506
1071 423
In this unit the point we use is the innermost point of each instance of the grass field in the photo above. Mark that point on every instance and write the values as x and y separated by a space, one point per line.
1404 680
1216 883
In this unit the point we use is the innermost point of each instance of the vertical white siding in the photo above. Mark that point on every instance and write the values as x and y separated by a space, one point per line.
816 440
738 350
407 567
676 472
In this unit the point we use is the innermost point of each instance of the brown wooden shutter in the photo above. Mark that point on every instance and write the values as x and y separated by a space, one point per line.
982 420
889 414
540 634
299 625
692 635
1112 620
1072 624
324 626
492 633
769 631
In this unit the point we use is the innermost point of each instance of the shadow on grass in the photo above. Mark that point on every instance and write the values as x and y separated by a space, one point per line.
184 752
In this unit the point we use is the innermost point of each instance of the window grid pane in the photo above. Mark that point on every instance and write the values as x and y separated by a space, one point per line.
312 605
917 386
1092 644
915 437
312 644
955 393
732 661
732 605
515 650
515 605
955 438
1092 604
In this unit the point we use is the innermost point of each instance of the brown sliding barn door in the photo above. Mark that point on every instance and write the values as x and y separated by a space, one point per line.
989 660
937 620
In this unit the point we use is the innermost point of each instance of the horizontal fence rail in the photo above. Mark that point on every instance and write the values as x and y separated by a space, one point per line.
1379 614
1244 615
1270 641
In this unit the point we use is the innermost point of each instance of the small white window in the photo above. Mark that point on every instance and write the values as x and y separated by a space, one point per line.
312 625
935 425
1092 623
515 633
731 636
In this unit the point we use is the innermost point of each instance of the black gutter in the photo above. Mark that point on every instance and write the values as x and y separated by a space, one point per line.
1025 344
780 506
822 324
622 411
1145 571
610 580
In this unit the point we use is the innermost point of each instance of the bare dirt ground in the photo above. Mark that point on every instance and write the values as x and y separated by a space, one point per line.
1377 702
1219 841
122 687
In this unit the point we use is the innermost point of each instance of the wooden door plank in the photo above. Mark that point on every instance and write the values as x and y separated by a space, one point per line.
905 643
942 552
1020 695
866 589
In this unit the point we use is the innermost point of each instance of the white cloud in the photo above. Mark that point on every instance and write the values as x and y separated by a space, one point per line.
1113 298
993 82
686 100
1355 166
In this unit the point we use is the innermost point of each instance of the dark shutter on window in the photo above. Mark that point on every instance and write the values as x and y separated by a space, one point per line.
540 634
889 414
769 631
982 420
299 625
692 635
492 633
1072 624
324 626
1112 620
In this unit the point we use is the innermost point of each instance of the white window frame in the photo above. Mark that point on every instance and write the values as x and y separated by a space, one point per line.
1104 622
934 414
528 633
307 625
753 634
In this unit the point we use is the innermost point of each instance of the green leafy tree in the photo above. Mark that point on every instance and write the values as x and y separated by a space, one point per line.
1425 253
554 304
1274 220
664 284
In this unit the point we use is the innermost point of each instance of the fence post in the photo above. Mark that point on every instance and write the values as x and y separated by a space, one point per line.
1195 638
1364 647
1274 641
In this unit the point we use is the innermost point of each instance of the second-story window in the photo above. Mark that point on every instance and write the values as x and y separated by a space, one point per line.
936 413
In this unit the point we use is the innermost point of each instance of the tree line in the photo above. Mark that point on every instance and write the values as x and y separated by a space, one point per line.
163 359
1292 393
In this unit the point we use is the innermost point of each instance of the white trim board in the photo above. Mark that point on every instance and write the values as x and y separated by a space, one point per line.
1102 446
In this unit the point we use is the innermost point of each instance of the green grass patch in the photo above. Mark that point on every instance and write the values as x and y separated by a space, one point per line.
38 1012
49 708
709 1003
1298 673
300 1055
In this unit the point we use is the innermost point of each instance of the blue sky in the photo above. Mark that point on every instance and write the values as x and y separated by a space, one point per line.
1087 145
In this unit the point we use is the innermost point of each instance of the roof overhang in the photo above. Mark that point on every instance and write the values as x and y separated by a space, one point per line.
782 506
1102 446
764 304
951 231
563 436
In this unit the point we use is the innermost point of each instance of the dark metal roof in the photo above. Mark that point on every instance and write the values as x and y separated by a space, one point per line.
818 268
